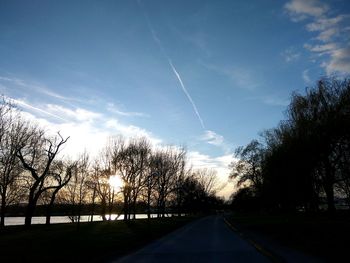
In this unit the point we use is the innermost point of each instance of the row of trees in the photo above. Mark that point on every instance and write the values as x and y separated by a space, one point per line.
32 172
303 161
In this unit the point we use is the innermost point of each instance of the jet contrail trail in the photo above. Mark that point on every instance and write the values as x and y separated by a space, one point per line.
159 43
28 106
187 94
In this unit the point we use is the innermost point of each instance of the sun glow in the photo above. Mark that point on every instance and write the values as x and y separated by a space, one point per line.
116 182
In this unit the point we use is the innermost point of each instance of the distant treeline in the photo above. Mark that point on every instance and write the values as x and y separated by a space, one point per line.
305 160
32 173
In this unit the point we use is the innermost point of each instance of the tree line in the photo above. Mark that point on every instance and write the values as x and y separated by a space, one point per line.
32 172
304 162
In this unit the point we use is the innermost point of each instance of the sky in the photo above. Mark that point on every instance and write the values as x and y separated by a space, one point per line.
207 75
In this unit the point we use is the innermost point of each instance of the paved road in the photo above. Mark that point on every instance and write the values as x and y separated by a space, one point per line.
206 240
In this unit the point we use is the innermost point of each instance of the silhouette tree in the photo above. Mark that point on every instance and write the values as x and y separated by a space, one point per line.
248 167
307 156
12 134
36 155
61 174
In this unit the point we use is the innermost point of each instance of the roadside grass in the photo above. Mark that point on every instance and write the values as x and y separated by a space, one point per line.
325 237
91 242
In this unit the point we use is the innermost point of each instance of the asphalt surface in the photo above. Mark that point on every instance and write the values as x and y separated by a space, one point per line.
208 239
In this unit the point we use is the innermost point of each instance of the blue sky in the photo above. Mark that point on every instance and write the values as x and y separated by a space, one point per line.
209 75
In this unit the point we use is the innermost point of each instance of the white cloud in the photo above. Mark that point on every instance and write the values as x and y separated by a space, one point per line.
217 140
91 136
321 48
77 114
339 62
130 131
87 129
25 105
301 9
213 138
329 27
306 76
324 23
332 40
327 35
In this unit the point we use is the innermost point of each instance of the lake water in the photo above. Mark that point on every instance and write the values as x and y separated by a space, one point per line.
13 221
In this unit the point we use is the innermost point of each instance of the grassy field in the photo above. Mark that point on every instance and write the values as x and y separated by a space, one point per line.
92 242
321 236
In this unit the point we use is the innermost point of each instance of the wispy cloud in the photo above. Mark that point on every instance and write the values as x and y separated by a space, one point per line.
160 45
213 138
306 76
111 107
331 44
322 49
25 105
301 9
76 114
87 129
92 135
26 85
290 54
339 62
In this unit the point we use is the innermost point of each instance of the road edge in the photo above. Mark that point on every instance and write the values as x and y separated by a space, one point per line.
262 250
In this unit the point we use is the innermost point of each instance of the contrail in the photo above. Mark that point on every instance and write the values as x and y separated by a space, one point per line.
159 43
187 94
28 106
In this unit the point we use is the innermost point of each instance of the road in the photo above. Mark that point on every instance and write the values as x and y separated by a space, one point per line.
208 239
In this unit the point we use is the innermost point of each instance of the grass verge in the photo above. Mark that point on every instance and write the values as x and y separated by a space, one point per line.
324 237
91 242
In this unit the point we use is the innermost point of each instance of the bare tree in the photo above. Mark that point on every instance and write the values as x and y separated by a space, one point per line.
92 184
36 155
106 169
11 136
207 178
166 164
77 189
60 175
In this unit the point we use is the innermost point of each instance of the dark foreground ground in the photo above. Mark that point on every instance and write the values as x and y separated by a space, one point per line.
208 239
323 238
91 242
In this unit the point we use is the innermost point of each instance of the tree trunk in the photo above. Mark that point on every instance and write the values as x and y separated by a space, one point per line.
148 205
49 207
134 207
328 187
103 209
48 215
32 200
29 213
3 208
93 204
330 199
126 207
